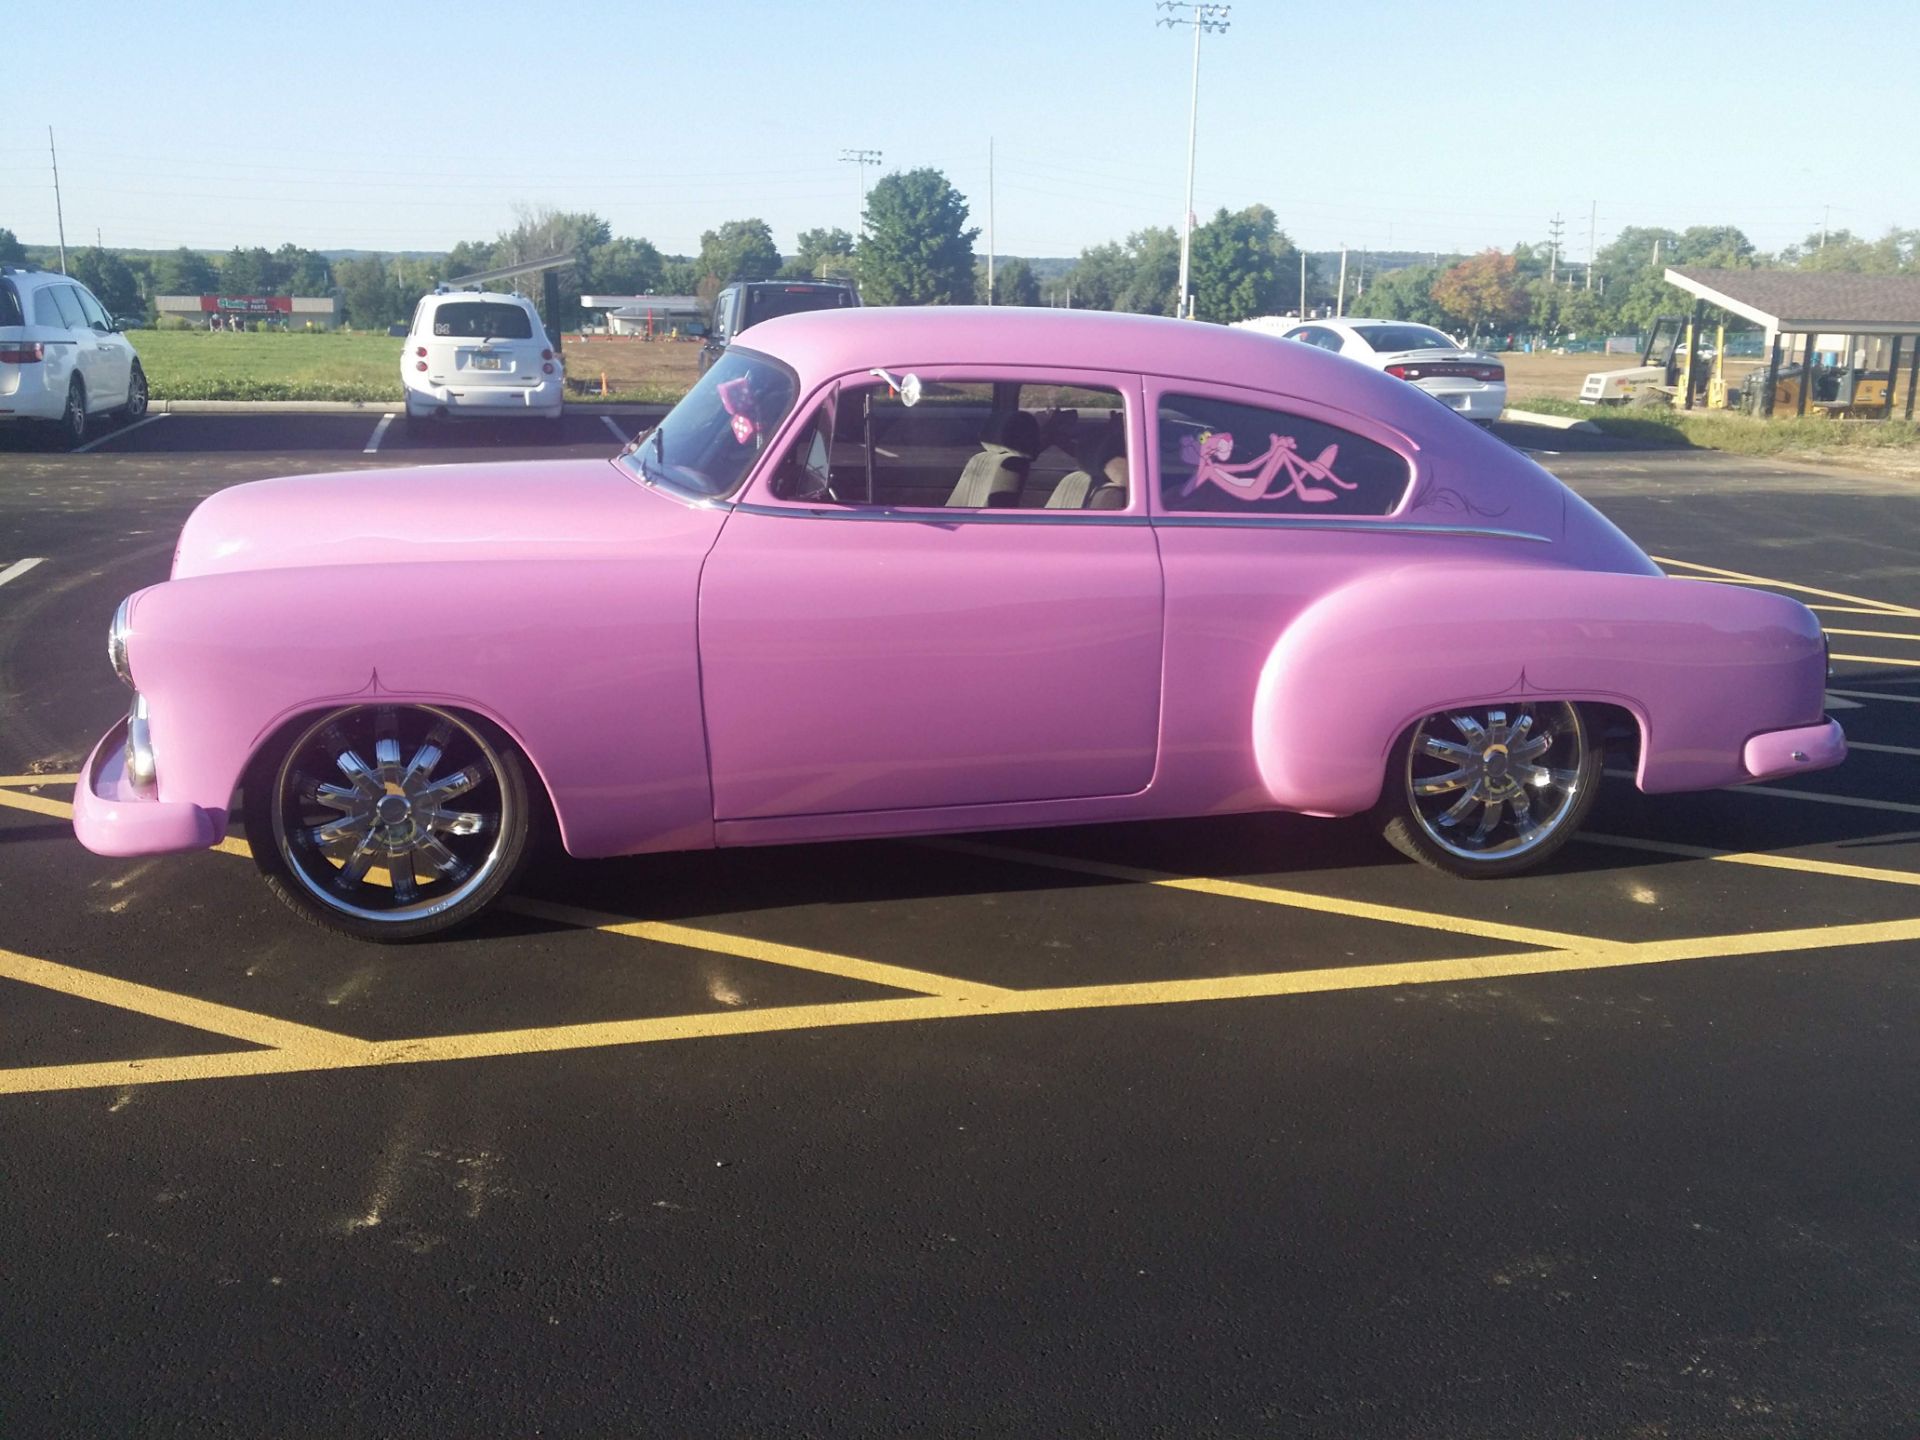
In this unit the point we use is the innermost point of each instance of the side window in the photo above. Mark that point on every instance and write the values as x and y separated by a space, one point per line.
1220 457
46 311
68 299
968 445
1324 338
90 307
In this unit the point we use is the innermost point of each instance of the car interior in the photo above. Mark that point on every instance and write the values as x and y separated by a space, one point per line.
975 446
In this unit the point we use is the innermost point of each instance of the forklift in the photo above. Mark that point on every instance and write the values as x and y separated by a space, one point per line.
1665 372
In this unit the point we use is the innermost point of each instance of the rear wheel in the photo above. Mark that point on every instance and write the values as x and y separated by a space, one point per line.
71 428
389 822
136 405
1486 791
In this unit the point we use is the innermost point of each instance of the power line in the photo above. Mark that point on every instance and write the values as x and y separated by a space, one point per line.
862 158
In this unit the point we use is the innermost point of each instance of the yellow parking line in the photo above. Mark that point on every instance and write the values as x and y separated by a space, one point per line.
235 1024
599 1035
1853 745
1876 660
36 804
1757 858
796 957
6 780
1273 895
1885 607
1873 634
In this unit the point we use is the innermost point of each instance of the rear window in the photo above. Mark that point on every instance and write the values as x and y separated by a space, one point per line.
478 320
774 300
1387 338
10 312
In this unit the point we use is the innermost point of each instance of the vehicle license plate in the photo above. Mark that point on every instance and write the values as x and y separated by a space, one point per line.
488 362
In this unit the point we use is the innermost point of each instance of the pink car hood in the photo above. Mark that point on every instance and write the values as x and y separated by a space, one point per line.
522 510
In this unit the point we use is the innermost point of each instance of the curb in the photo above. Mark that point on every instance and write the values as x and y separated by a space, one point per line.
372 408
1557 422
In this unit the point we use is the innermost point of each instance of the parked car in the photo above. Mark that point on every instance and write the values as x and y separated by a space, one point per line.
63 359
748 302
1467 381
478 353
1068 567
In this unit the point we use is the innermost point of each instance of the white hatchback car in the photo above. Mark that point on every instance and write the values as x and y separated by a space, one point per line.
63 359
476 353
1473 383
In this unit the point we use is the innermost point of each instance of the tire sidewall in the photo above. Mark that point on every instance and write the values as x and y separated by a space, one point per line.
137 397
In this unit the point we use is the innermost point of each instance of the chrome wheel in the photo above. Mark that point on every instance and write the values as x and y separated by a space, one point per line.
136 405
73 419
1490 786
395 815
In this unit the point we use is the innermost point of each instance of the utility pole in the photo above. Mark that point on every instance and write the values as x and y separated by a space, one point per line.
862 158
1340 301
1303 284
1593 239
1203 18
1825 212
58 215
989 220
1554 227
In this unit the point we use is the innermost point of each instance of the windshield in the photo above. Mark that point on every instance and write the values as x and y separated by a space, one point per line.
709 441
1385 338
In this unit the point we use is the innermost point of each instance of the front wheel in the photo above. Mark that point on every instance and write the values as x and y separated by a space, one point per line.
1487 791
389 822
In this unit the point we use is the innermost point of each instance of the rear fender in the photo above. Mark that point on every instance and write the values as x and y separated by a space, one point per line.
1701 668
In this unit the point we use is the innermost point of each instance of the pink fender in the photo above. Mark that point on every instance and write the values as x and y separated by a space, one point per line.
1362 664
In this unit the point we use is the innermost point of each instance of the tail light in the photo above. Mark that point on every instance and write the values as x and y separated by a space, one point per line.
547 368
22 352
421 351
1449 369
419 364
546 354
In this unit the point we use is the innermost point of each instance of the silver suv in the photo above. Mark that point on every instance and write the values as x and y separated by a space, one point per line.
63 359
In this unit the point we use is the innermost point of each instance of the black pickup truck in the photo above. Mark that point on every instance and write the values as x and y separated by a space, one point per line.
748 302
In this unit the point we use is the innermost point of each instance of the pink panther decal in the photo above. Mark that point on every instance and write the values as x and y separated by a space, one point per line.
1249 480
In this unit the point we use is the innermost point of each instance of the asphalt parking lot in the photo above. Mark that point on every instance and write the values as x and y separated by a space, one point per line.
1231 1127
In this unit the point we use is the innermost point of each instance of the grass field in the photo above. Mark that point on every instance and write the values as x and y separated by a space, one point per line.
338 365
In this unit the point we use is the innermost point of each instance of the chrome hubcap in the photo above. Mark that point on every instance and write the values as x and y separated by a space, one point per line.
1488 784
406 836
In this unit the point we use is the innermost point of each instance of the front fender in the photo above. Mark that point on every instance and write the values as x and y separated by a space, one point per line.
1702 668
589 665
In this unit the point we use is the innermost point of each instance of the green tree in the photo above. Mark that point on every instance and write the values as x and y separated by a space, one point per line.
469 257
919 248
301 272
1013 283
1403 295
110 279
1153 278
1099 276
622 266
823 255
372 298
246 272
680 277
1241 262
183 272
739 250
12 252
1481 292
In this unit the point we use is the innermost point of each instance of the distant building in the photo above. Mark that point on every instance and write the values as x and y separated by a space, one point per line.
296 312
637 314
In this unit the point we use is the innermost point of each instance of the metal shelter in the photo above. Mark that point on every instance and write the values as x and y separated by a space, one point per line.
1848 332
547 269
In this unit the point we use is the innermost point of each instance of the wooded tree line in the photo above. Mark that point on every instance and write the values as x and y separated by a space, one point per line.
917 248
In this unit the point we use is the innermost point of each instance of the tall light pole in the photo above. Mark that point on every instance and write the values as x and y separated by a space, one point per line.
862 158
1202 17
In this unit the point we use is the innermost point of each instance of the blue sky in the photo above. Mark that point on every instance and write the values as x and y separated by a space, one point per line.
1374 124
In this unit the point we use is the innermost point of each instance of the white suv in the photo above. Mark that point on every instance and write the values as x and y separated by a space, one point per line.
62 357
471 352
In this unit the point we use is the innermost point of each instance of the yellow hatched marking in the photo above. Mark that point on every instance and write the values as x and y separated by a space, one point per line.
796 957
1876 660
1273 895
1881 607
552 1039
36 804
1873 634
6 780
225 1020
1764 861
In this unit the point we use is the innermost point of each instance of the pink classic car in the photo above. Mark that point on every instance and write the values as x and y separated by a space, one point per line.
903 571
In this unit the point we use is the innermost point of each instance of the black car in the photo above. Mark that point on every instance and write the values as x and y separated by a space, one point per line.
748 302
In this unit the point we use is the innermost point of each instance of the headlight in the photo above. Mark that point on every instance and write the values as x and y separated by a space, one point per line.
117 643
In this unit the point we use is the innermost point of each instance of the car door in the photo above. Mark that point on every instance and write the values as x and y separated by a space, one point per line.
113 352
867 645
87 358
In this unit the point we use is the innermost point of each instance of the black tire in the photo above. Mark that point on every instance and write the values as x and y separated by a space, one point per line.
136 406
285 811
70 430
1481 778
